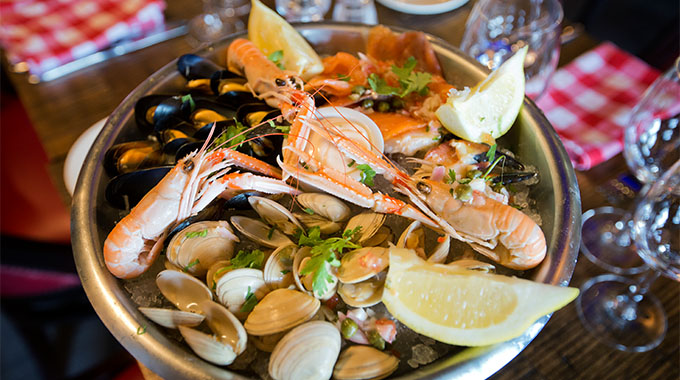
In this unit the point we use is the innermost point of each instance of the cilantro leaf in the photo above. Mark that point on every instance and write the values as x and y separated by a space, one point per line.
367 174
234 135
405 71
379 85
245 259
451 176
250 303
277 58
312 238
409 80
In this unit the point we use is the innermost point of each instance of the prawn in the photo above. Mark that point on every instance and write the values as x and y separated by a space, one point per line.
196 180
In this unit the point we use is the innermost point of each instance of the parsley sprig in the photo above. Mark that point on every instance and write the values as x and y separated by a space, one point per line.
325 253
251 301
233 135
409 80
277 58
367 174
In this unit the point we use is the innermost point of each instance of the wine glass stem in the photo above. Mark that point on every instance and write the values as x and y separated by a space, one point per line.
625 305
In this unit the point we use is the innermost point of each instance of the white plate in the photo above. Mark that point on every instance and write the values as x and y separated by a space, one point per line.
76 155
423 7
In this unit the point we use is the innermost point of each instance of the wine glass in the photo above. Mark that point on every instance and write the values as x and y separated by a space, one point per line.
621 312
496 29
218 19
651 145
303 10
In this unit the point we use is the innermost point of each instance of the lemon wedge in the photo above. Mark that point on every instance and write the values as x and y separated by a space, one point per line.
489 108
465 307
271 33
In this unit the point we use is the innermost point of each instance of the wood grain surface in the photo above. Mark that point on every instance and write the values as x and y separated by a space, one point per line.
62 109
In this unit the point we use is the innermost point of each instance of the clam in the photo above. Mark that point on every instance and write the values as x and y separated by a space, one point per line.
200 245
326 206
281 310
326 226
363 263
364 362
304 282
383 237
274 214
309 351
267 343
370 223
278 270
363 294
183 290
260 232
229 338
171 318
216 271
472 264
233 288
413 238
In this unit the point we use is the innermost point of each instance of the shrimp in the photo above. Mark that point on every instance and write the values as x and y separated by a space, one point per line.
498 231
197 179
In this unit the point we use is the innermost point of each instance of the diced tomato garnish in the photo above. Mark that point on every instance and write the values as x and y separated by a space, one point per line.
332 302
387 329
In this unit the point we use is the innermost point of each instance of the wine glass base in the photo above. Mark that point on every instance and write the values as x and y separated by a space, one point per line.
637 329
603 244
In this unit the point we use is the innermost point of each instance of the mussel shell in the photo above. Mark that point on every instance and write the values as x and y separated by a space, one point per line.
220 126
246 113
212 104
192 66
143 119
220 76
172 112
133 186
173 139
133 155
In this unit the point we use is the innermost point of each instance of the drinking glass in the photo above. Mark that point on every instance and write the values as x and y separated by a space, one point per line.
361 11
651 145
496 29
621 312
303 10
218 19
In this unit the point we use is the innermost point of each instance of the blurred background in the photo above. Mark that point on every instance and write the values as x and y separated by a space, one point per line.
48 328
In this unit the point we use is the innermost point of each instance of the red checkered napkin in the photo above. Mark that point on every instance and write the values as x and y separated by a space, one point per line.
47 34
590 99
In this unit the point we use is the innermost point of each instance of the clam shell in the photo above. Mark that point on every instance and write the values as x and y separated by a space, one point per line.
304 283
441 251
183 290
171 318
197 247
215 272
229 338
275 214
413 238
326 206
278 270
281 310
309 351
364 362
267 343
233 288
383 237
472 264
260 232
326 226
362 294
370 223
363 263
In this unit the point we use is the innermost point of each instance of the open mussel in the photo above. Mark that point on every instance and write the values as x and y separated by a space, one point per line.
133 155
126 190
192 66
253 114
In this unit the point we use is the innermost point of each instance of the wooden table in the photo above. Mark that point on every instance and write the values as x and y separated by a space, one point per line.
62 109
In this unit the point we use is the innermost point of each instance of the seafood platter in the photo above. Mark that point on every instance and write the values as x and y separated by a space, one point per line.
237 219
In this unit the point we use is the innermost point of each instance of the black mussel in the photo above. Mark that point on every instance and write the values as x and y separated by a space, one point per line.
173 112
240 201
508 161
265 141
508 178
188 148
235 98
144 111
133 155
211 212
173 139
192 67
220 81
253 114
208 111
220 127
126 190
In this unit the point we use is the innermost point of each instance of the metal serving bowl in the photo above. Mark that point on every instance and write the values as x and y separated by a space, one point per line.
532 139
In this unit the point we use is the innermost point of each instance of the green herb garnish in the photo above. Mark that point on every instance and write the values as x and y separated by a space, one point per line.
409 80
191 265
451 176
491 153
277 58
245 259
233 135
351 163
367 174
141 330
343 77
282 128
250 303
285 272
195 234
190 100
493 165
309 211
270 233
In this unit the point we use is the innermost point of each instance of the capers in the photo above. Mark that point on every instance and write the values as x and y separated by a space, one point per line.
474 173
497 187
358 89
383 106
348 328
463 192
354 97
376 340
397 103
367 103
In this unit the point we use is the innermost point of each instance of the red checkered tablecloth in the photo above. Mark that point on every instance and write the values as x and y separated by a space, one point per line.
590 99
47 34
